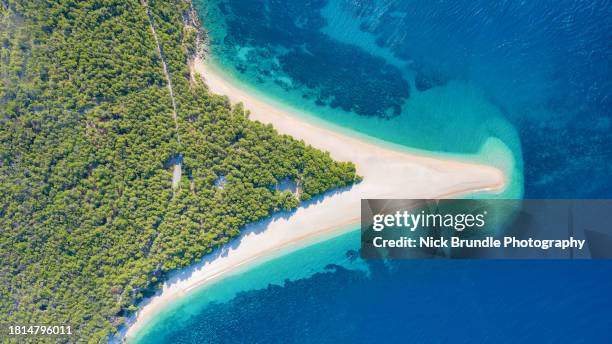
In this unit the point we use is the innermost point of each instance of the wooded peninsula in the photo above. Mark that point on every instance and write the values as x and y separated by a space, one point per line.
90 133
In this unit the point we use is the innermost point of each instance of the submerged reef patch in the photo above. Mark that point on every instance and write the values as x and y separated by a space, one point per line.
278 41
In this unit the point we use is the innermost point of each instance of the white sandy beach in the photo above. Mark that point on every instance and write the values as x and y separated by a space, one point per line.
386 173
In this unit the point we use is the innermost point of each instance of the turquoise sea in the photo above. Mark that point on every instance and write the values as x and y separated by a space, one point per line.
522 85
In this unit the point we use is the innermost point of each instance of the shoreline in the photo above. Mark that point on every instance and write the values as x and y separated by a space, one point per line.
386 172
222 78
344 144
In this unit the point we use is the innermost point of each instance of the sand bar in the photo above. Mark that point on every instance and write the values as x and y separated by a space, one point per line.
387 173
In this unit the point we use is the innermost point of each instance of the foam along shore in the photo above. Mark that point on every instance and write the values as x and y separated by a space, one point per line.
387 173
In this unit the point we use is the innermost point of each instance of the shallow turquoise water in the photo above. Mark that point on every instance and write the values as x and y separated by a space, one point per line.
522 85
440 76
324 293
455 118
297 263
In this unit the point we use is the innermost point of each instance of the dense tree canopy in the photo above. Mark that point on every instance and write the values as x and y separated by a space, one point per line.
89 221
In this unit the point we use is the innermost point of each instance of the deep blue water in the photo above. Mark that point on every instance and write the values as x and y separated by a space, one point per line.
537 75
399 302
543 67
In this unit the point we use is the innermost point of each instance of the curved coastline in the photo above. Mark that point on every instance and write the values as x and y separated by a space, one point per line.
322 134
387 173
222 79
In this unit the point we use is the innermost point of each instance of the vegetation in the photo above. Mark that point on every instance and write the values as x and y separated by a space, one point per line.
89 221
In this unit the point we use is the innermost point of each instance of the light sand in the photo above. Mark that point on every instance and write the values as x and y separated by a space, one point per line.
387 173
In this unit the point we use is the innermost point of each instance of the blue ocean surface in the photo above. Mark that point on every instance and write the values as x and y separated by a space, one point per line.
343 299
524 85
442 76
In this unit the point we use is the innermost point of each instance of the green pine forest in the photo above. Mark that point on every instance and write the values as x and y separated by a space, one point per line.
90 223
